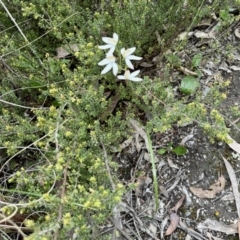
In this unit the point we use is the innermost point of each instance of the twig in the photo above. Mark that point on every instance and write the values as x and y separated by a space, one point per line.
20 30
121 231
64 182
32 202
107 166
60 211
33 143
191 232
21 106
35 40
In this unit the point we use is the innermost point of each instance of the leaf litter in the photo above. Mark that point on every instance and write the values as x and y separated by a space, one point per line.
196 216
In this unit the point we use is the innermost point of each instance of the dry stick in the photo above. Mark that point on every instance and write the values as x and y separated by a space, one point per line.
21 106
35 40
60 211
1 169
121 231
19 29
116 213
14 226
5 219
32 202
191 232
107 166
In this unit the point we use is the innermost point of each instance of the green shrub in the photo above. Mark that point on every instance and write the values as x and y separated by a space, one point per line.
56 110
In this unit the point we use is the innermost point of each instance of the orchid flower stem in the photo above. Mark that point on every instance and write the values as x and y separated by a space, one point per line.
154 172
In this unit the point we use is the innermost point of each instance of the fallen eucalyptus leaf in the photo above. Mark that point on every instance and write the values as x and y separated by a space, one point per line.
145 64
185 139
214 189
218 226
174 220
178 204
234 182
141 131
200 34
185 35
233 144
235 68
142 183
188 72
66 50
171 164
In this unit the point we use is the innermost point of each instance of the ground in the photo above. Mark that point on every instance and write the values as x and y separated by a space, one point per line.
201 167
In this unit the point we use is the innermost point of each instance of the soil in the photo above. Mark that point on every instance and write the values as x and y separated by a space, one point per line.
200 168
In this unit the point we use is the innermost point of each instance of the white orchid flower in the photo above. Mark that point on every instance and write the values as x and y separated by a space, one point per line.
130 76
127 56
109 61
111 43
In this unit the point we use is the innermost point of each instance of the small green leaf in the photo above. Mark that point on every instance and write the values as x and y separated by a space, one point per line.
197 59
189 85
180 150
34 83
162 151
173 59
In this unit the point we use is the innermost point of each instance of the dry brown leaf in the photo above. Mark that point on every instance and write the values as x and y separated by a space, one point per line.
123 145
238 228
210 236
64 51
234 145
234 182
215 188
140 130
146 64
235 68
178 204
200 34
185 35
111 106
237 32
142 183
185 139
171 164
188 72
174 220
163 191
218 226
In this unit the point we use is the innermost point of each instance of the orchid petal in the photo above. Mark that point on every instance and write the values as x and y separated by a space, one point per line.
121 77
110 52
115 68
134 74
122 50
106 69
136 79
115 37
128 52
131 50
105 46
128 63
107 40
133 57
103 62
